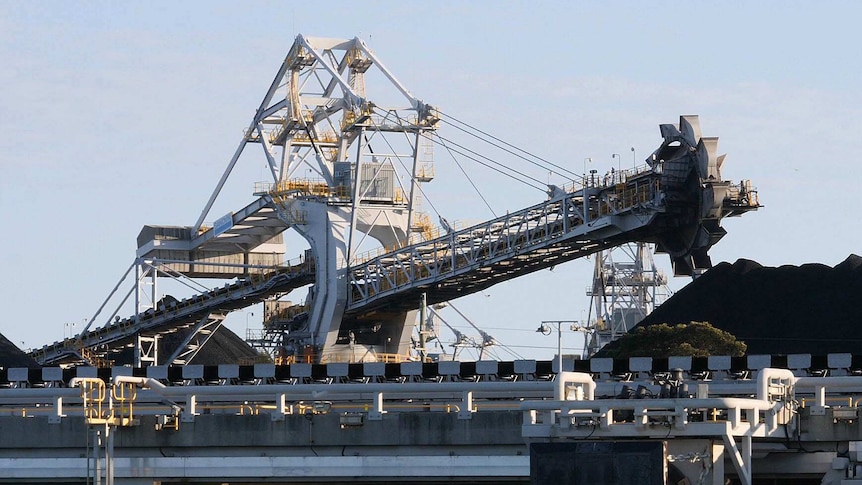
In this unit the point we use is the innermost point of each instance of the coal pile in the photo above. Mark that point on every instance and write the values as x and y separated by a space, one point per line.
12 356
811 308
224 347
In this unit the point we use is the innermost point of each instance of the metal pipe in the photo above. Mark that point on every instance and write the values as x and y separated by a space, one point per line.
333 389
649 404
109 455
839 382
558 388
7 395
97 470
582 378
423 312
766 375
145 382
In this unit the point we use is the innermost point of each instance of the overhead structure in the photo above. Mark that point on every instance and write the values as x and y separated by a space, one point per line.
368 158
348 148
676 200
345 161
627 286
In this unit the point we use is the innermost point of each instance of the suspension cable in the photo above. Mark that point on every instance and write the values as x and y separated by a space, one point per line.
481 196
541 186
473 184
418 186
446 117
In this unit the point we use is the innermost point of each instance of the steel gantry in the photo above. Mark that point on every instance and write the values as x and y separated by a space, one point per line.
676 201
346 175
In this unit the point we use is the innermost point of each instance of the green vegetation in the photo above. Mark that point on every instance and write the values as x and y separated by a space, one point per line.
698 339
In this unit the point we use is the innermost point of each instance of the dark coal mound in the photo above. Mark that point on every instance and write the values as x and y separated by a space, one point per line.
12 356
790 309
224 347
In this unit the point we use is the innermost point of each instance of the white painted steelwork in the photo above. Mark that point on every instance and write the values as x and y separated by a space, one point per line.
769 414
734 417
346 161
627 286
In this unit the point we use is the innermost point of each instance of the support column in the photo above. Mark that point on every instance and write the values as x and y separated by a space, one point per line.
466 411
109 454
97 463
741 456
717 454
146 350
377 413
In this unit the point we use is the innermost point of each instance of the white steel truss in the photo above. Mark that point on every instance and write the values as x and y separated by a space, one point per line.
347 147
627 286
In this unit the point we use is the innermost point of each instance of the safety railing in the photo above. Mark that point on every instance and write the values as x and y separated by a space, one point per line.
773 406
514 235
570 404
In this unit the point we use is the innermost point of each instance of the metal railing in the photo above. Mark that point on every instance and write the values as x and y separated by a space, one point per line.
513 237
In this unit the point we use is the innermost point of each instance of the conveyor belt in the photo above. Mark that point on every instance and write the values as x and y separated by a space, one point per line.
173 316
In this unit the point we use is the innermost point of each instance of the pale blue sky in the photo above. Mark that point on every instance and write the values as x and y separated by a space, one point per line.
115 115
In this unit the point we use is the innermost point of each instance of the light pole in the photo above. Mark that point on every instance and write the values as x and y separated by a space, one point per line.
249 314
68 328
545 329
586 161
586 197
619 165
634 160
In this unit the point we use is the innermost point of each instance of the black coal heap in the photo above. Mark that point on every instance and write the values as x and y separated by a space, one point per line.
789 309
12 356
224 347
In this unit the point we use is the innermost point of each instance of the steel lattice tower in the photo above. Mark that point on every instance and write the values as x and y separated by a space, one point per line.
626 287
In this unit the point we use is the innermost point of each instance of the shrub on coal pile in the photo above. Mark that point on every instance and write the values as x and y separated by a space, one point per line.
697 339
